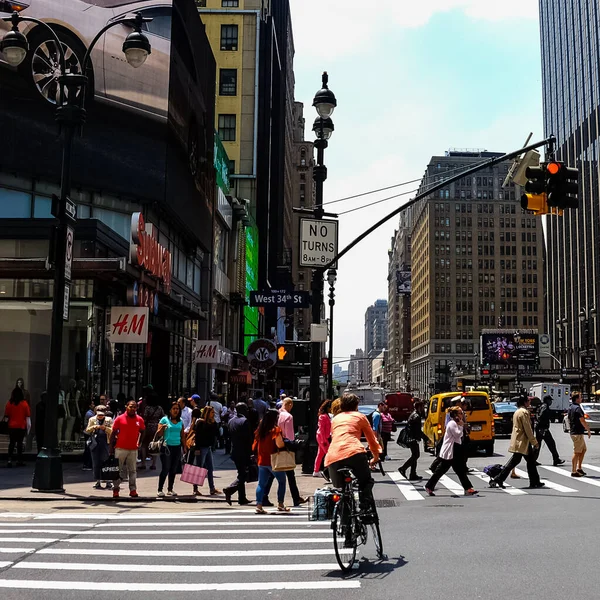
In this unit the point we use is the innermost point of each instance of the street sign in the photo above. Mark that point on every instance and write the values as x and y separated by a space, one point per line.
128 325
70 209
318 242
67 297
587 362
262 354
69 253
284 298
324 366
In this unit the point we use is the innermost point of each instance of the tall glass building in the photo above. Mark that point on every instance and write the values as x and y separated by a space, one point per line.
570 42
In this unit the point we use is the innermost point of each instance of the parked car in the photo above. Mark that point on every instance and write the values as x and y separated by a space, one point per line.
503 417
591 410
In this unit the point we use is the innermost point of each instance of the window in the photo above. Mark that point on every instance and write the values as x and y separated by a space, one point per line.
231 167
228 82
229 37
161 22
227 128
42 207
230 3
14 205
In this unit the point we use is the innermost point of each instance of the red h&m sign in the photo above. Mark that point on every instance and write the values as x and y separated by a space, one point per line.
324 366
128 325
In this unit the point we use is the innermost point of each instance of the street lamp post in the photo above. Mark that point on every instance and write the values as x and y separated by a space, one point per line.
587 318
331 279
561 326
70 114
324 103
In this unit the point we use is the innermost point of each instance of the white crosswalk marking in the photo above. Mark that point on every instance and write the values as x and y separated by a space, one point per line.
560 471
549 484
591 467
406 488
450 484
508 488
232 551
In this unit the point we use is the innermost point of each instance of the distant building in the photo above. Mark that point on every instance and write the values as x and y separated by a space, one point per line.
378 368
477 262
357 367
376 332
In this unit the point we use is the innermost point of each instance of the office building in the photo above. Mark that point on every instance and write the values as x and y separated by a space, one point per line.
357 367
398 359
570 39
376 333
477 262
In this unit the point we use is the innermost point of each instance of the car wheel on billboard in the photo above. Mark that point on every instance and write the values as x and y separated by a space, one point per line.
41 67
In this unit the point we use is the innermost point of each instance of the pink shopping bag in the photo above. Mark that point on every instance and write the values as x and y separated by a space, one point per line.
194 475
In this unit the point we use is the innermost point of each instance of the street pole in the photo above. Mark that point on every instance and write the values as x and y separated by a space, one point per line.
331 274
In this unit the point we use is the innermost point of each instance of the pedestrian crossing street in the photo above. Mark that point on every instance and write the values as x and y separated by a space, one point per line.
210 551
555 479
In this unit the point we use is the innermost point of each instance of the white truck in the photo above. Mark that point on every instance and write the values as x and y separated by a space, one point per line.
560 394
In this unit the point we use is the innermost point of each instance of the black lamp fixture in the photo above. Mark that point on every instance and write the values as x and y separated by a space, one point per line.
324 100
14 45
323 128
136 46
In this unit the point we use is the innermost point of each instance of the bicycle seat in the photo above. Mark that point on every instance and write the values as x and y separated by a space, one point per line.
347 471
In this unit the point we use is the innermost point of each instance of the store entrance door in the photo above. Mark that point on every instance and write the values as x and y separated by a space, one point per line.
159 356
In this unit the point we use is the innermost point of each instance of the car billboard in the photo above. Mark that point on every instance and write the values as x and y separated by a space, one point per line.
143 138
507 348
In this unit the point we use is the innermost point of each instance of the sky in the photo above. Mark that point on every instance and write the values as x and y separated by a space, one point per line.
412 80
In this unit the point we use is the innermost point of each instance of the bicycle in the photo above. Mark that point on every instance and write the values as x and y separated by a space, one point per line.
350 523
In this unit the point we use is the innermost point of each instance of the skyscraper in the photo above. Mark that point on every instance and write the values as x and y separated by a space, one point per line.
570 39
376 336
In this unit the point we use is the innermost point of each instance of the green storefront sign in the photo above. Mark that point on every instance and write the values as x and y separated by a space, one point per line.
221 165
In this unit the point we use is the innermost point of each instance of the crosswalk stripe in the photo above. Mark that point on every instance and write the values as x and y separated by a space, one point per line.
508 489
17 550
245 514
109 586
406 488
549 484
140 568
568 474
172 533
35 540
62 531
196 541
5 563
591 467
450 484
189 553
264 521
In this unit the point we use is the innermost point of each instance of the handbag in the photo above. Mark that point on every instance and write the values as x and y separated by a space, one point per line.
92 442
284 460
109 470
193 474
403 438
156 445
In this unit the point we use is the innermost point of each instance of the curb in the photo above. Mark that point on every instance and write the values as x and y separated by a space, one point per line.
138 500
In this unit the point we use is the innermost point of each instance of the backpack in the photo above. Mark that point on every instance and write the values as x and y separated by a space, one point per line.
370 418
493 470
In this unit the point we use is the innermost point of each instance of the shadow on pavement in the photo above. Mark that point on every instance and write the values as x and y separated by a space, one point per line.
372 568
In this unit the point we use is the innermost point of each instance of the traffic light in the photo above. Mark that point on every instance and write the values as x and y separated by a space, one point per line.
286 353
536 203
534 198
562 185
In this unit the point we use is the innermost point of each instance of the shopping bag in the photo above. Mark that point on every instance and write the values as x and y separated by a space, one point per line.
252 470
284 460
193 474
109 470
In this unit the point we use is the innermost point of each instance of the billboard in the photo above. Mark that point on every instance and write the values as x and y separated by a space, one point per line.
148 131
251 313
403 283
509 348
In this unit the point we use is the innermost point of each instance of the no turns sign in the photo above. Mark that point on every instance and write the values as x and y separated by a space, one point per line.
318 242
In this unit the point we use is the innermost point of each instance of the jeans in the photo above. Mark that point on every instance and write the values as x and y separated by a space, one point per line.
170 460
293 485
459 466
264 474
127 467
546 436
15 437
205 460
411 463
515 459
360 467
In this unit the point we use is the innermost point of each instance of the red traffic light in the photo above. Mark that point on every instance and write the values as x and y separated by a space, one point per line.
553 168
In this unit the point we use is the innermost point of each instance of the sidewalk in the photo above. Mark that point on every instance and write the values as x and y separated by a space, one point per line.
15 484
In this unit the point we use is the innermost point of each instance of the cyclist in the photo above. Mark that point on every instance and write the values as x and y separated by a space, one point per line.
347 451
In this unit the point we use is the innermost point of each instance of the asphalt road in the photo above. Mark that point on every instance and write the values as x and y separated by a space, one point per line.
516 543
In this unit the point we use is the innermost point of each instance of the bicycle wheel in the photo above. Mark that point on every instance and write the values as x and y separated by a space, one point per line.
344 540
377 539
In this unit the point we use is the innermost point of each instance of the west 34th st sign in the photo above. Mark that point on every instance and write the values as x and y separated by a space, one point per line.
284 298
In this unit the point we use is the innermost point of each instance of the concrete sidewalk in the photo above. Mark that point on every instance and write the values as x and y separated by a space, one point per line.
15 484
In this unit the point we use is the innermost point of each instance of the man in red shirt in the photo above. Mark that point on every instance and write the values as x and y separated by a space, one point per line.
124 443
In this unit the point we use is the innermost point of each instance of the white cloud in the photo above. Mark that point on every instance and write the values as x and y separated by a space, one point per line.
330 29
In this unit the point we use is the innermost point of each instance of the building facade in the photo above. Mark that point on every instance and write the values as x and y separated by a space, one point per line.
477 261
376 333
570 42
398 359
357 367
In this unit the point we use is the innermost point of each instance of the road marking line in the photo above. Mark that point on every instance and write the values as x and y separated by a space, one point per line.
17 550
134 532
5 563
509 489
450 484
190 553
241 514
198 541
591 467
264 521
30 524
30 540
63 531
406 488
136 568
568 474
549 484
108 586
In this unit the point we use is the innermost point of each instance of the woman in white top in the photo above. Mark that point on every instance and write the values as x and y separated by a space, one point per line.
451 454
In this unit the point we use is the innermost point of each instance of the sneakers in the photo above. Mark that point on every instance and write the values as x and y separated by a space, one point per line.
402 472
160 494
317 473
133 494
559 462
171 493
471 492
228 497
415 477
536 486
115 493
97 485
109 486
497 484
429 492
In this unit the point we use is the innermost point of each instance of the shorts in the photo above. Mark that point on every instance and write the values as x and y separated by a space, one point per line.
579 445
